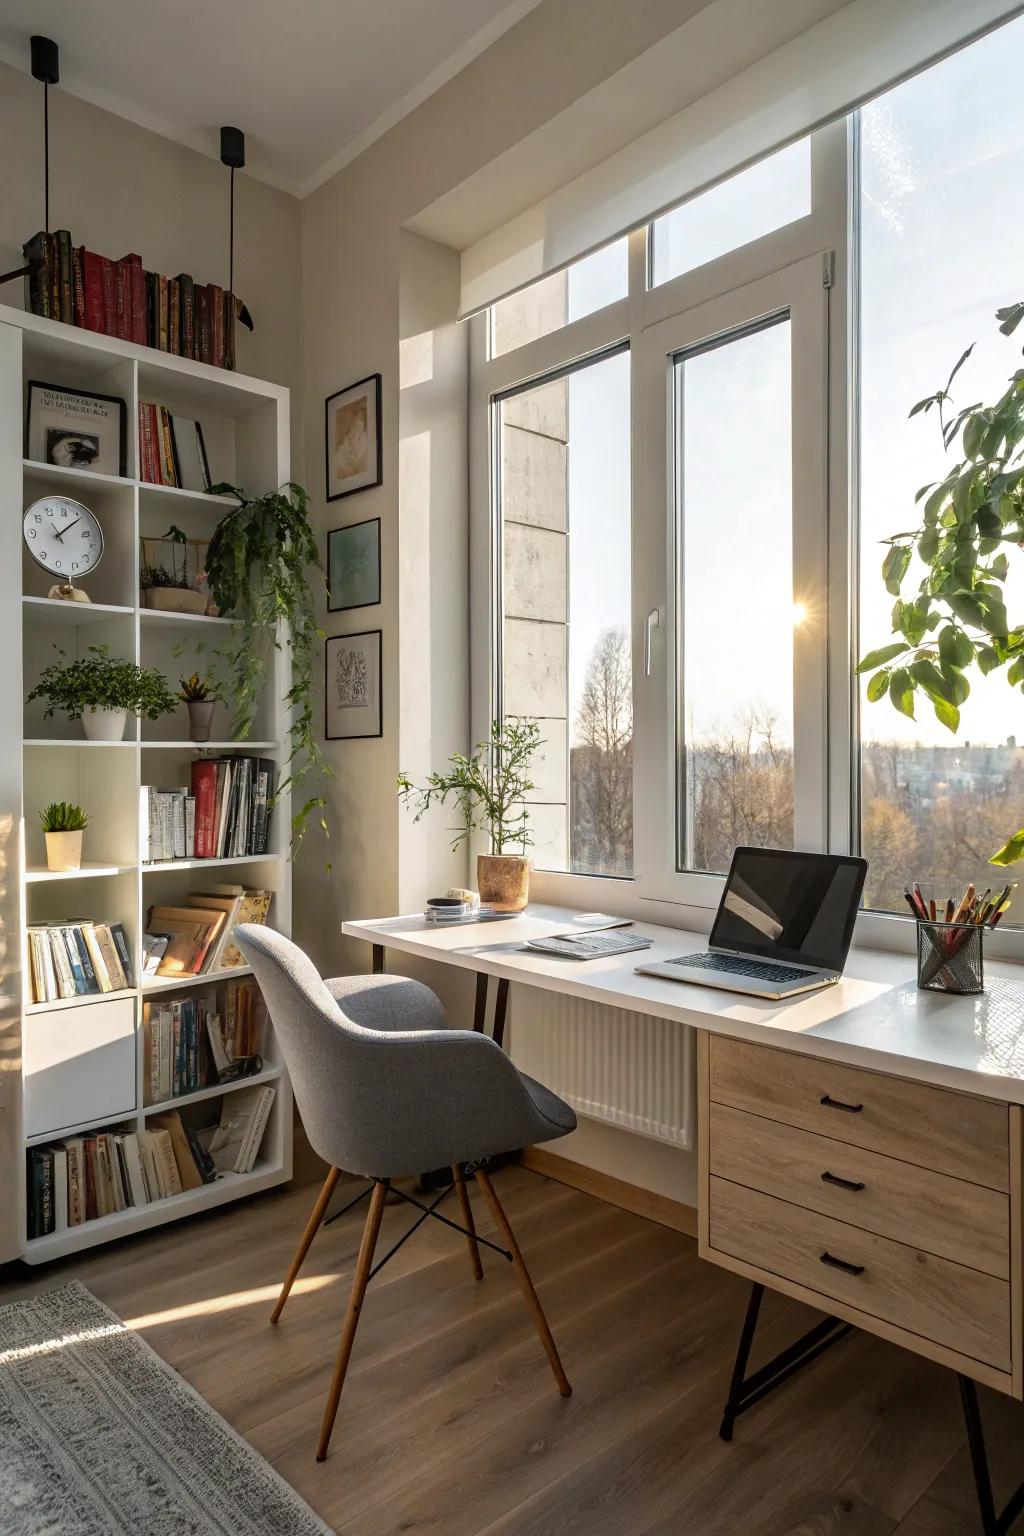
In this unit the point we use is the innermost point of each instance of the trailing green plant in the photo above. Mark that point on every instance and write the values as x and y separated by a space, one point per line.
971 523
489 788
62 816
263 566
98 680
197 690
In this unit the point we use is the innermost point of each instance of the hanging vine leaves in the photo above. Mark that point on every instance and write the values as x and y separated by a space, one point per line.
969 520
263 567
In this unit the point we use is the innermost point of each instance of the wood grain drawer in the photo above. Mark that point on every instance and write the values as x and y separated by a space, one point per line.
958 1308
936 1128
914 1205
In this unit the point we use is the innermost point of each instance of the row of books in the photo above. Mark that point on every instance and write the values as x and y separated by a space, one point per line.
75 957
172 449
120 298
103 1172
191 1043
194 938
234 801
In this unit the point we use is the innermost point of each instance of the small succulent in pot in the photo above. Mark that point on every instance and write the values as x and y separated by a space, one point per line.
199 694
63 825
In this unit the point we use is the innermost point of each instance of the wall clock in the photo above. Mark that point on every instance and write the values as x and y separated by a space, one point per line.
64 538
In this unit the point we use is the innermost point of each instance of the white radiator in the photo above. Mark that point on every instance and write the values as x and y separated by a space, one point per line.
624 1068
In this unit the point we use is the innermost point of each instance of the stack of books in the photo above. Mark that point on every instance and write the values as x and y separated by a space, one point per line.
192 939
74 957
172 449
192 1042
120 298
234 797
235 1142
167 824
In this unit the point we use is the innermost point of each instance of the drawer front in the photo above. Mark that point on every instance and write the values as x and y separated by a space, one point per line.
932 1297
894 1199
936 1128
78 1056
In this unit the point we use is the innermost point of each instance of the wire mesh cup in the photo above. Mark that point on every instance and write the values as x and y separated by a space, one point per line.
949 957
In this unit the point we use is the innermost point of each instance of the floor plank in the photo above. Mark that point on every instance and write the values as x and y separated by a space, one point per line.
450 1424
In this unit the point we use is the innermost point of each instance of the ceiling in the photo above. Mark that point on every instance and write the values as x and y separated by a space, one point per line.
311 82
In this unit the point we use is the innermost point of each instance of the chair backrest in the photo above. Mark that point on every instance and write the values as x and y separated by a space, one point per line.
334 1064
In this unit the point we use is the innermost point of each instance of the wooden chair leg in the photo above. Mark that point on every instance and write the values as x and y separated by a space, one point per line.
467 1221
526 1284
312 1227
364 1264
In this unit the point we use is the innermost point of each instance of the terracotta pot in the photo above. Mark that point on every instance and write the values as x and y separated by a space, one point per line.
63 850
175 599
200 718
503 880
104 724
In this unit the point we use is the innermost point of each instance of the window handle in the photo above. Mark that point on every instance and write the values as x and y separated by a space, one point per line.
651 623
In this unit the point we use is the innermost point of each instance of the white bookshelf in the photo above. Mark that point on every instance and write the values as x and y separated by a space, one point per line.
245 422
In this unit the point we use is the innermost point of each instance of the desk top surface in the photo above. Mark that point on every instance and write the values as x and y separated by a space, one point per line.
875 1017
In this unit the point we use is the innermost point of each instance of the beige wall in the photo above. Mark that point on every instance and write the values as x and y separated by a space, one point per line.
120 188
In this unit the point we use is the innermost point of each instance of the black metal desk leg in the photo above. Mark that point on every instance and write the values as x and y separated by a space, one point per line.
500 1009
739 1369
992 1524
744 1390
378 959
480 1004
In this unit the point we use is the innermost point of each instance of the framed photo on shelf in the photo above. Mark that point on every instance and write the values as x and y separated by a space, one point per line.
353 566
354 692
352 438
76 429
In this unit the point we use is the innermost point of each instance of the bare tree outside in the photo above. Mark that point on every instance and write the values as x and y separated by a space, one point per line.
739 786
601 762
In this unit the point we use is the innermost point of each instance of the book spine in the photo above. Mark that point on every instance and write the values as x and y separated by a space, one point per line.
92 1204
174 316
202 303
37 278
122 302
78 284
91 984
216 304
92 283
138 304
204 788
47 1210
152 318
120 938
109 281
186 304
162 318
166 451
67 293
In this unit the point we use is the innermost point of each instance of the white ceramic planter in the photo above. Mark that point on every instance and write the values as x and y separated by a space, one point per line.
104 724
63 850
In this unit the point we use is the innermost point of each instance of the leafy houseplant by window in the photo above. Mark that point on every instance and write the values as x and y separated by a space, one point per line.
166 585
102 690
260 566
489 790
63 825
970 520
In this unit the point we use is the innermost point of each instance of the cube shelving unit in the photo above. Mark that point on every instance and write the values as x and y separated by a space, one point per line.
76 1064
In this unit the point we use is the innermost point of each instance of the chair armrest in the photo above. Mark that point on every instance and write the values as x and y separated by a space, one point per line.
387 1002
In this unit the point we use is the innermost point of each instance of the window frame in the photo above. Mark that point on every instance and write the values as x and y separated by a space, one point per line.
827 235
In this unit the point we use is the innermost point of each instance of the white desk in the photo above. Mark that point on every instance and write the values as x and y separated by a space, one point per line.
875 1018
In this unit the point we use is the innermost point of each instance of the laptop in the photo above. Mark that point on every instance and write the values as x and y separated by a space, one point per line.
784 925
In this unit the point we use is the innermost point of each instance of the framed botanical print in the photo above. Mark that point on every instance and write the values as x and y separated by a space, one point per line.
354 701
352 438
353 566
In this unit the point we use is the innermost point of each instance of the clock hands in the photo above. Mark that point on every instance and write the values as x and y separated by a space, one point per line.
68 528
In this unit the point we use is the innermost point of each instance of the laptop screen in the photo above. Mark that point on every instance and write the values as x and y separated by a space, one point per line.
799 907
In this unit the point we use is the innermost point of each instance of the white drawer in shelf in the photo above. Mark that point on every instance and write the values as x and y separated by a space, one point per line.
79 1065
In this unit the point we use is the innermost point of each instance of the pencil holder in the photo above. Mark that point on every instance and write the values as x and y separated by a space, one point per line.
949 957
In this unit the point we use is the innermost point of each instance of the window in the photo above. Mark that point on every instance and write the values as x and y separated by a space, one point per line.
725 455
556 301
564 490
749 205
940 234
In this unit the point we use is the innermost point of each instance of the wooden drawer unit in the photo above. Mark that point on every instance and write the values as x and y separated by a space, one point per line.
944 1216
919 1293
952 1133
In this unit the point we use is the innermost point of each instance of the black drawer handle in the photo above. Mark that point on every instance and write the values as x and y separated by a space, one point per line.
849 1269
833 1178
831 1103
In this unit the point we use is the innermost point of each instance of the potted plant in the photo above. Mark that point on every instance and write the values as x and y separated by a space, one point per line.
199 694
102 690
263 566
489 789
63 825
167 586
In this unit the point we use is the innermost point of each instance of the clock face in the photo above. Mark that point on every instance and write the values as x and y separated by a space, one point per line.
63 536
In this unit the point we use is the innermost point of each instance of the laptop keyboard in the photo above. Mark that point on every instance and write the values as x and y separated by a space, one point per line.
734 965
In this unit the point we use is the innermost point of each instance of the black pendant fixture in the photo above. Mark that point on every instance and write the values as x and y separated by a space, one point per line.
45 60
232 154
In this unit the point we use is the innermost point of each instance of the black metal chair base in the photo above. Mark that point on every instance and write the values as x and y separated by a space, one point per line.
744 1390
427 1211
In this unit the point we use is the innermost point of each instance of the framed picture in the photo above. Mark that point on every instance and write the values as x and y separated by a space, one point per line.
76 429
353 566
352 439
353 682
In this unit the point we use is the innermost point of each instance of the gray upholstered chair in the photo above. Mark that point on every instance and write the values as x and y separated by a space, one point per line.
386 1090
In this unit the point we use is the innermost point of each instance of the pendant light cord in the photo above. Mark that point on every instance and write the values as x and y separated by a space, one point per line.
231 241
46 154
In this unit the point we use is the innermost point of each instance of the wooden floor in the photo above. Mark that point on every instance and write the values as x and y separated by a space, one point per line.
451 1424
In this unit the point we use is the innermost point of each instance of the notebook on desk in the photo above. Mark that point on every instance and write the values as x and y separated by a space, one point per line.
587 946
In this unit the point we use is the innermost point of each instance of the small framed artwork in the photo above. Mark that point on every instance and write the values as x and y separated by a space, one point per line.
353 566
352 438
353 681
76 429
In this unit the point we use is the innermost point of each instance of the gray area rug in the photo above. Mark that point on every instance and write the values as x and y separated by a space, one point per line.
99 1437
